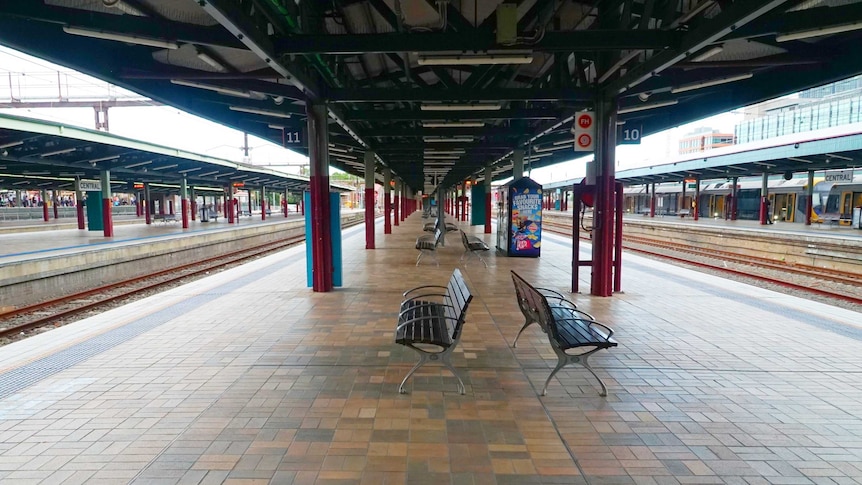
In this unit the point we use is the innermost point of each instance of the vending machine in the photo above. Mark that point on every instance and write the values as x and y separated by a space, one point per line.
519 218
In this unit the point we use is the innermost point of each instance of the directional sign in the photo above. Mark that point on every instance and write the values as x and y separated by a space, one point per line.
584 129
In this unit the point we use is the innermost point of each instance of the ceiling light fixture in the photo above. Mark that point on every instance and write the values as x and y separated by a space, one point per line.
240 93
644 107
565 142
11 144
189 170
461 107
104 159
553 148
123 7
207 174
707 53
453 124
218 66
694 11
442 139
460 60
842 157
138 164
441 157
58 152
261 112
711 82
807 34
795 159
338 150
165 167
131 39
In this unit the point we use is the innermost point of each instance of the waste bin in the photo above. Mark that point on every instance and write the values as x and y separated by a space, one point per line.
205 214
857 218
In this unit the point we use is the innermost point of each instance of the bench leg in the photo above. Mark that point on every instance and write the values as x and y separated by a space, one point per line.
424 357
526 324
565 359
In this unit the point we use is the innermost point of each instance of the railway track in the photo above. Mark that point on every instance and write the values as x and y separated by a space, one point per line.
844 286
22 322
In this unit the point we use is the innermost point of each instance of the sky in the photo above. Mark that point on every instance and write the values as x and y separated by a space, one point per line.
30 77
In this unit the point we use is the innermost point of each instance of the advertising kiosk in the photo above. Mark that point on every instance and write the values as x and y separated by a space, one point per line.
519 217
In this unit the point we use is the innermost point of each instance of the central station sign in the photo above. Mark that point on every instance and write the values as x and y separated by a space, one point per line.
90 185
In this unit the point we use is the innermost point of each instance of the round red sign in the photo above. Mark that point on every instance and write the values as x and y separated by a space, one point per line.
585 121
585 140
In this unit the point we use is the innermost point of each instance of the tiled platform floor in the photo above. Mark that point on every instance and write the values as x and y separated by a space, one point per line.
248 377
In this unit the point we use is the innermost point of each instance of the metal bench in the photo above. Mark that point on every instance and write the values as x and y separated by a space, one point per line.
432 226
567 327
473 246
165 218
432 317
428 245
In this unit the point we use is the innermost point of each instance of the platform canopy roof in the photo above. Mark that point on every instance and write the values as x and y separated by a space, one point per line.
442 88
36 154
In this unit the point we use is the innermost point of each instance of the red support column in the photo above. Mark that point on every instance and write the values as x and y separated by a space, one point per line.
369 218
603 211
184 206
321 243
396 205
55 205
44 209
488 212
107 204
618 238
194 209
79 203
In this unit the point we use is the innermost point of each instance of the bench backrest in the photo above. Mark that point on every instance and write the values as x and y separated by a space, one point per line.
532 303
464 240
438 236
457 299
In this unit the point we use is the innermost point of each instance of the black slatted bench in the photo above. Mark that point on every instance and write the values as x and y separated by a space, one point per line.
567 327
473 246
433 316
432 226
428 245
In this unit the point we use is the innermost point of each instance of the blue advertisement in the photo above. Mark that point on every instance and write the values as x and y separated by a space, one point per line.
526 238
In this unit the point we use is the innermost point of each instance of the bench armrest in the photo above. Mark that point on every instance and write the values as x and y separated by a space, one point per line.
424 304
607 328
421 287
422 297
419 319
549 292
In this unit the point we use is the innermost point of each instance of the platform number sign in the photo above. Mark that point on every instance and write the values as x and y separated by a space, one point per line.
292 136
584 129
629 134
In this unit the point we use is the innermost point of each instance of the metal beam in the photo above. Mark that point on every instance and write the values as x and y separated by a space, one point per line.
406 115
505 94
738 15
126 24
580 40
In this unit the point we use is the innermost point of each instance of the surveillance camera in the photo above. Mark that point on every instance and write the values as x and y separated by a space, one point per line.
644 96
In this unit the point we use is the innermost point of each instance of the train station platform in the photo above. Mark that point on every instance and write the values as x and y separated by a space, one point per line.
820 229
25 240
249 377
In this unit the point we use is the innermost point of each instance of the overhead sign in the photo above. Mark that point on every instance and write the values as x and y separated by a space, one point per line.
90 185
629 134
839 176
291 135
584 129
